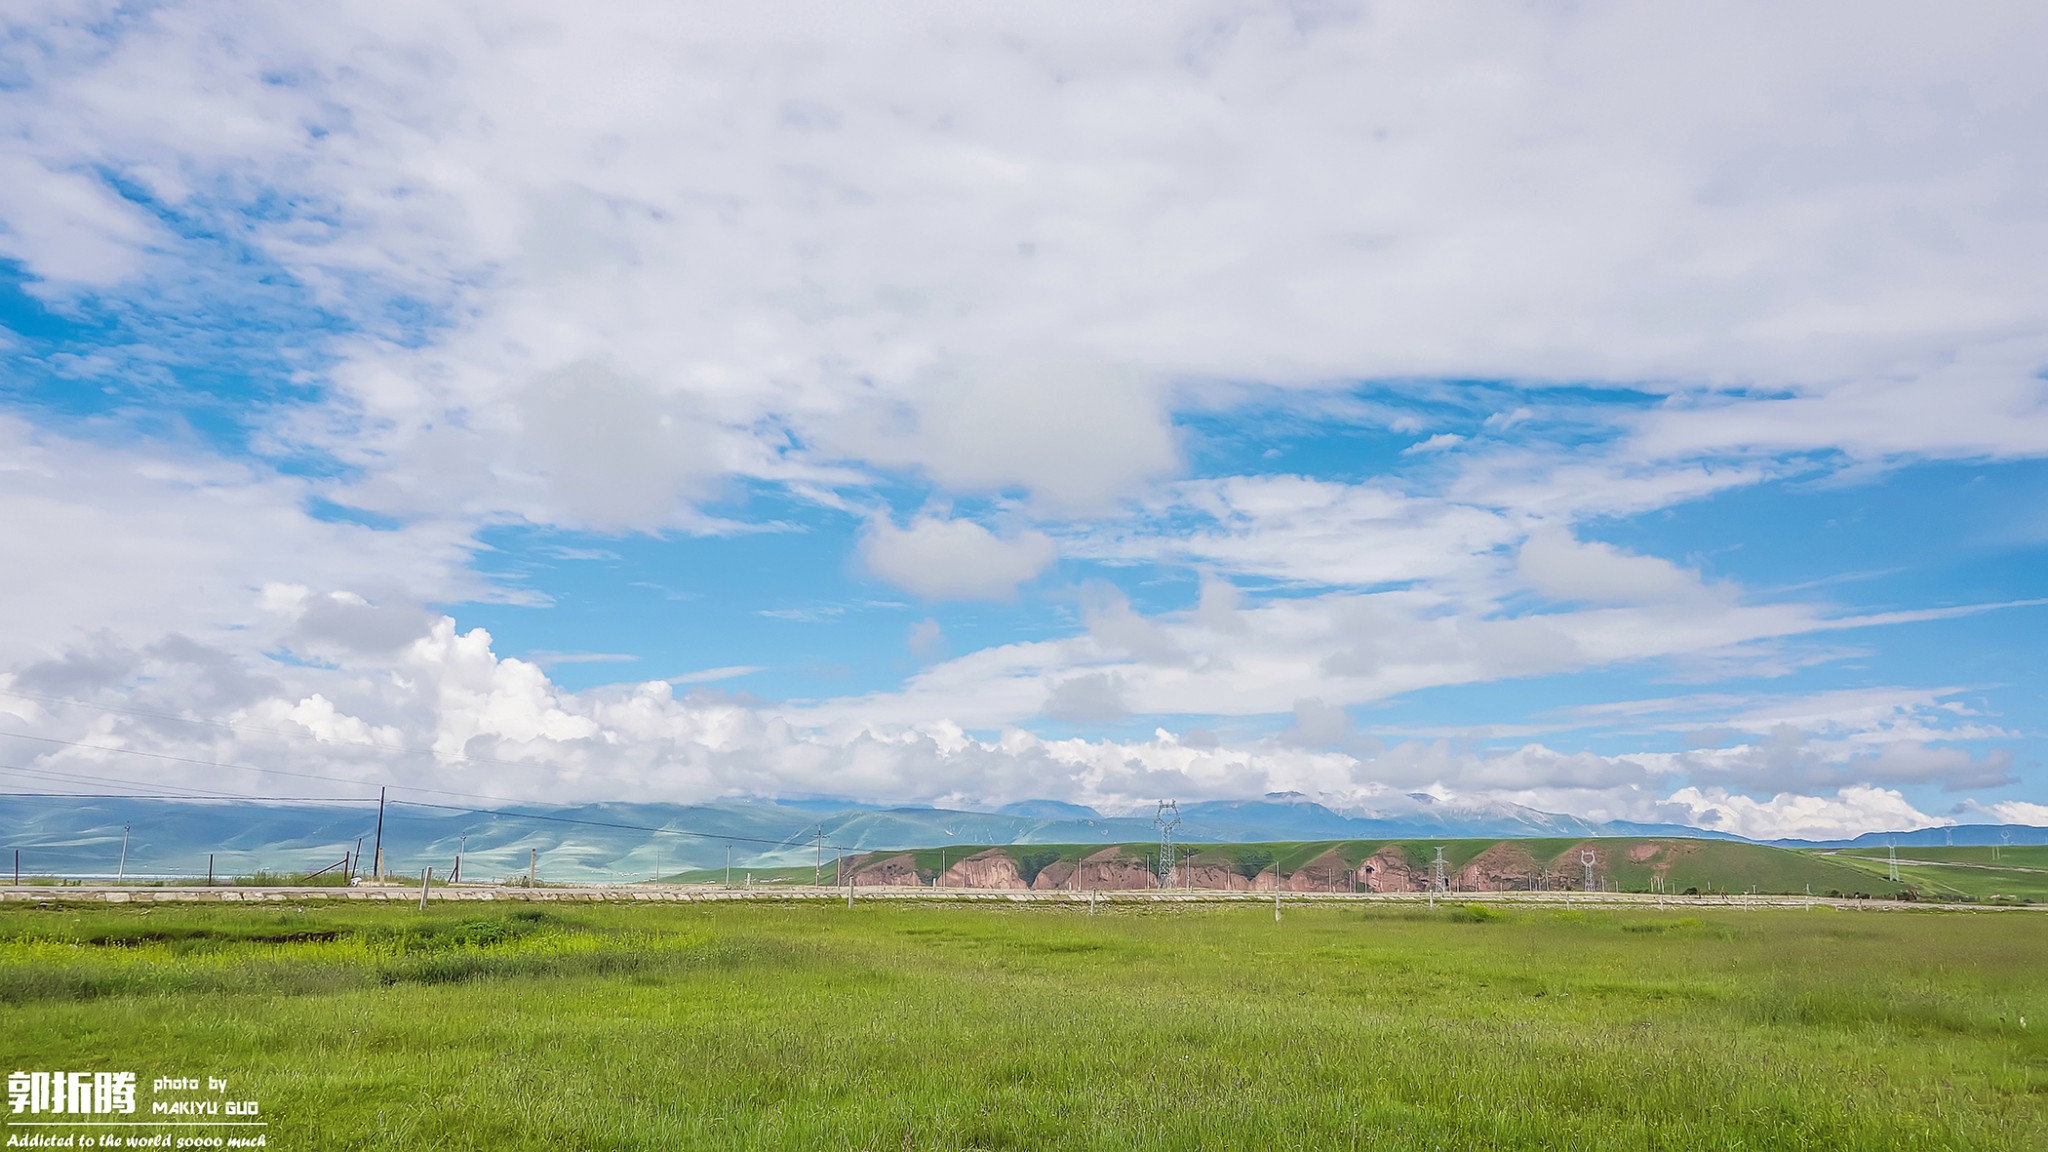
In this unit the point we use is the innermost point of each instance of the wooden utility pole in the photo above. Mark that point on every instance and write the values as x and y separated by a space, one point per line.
377 862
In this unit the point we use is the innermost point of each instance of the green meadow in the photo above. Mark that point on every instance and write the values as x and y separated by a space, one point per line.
808 1025
2009 875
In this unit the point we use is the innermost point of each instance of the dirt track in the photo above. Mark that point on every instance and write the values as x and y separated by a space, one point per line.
677 893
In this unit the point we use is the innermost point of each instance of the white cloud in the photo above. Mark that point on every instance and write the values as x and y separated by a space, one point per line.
447 713
1851 811
927 640
669 258
68 226
139 544
2018 812
1086 697
1316 724
798 252
1566 569
1436 443
944 559
1298 528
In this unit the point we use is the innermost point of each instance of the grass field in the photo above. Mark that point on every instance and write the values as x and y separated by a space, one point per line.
812 1026
1982 874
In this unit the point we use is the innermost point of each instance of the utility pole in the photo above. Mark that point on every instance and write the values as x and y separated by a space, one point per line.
532 864
461 842
209 869
425 874
122 875
728 865
355 862
377 863
818 868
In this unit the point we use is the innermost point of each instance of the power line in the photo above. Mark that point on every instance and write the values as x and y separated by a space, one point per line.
182 791
173 796
204 763
207 794
790 841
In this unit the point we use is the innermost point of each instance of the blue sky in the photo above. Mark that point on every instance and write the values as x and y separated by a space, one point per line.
1373 403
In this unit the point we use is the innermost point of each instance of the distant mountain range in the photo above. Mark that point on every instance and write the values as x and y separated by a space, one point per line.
588 842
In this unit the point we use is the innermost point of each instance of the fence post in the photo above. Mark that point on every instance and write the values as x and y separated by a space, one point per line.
425 874
209 869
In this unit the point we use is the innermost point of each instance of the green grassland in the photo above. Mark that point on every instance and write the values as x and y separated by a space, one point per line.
2018 875
938 1026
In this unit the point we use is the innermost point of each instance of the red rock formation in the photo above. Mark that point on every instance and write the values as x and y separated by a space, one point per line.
889 872
1388 870
1053 877
990 869
1329 872
1112 870
1501 868
1218 878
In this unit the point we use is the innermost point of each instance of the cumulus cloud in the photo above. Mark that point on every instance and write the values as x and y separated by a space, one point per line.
447 712
1851 811
943 559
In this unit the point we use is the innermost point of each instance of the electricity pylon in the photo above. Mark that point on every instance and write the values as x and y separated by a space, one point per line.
1168 819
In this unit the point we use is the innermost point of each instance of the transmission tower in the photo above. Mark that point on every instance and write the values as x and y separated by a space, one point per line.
1589 859
1168 819
1439 872
2005 838
1892 848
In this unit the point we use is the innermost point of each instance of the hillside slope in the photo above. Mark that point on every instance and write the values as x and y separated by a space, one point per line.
1625 864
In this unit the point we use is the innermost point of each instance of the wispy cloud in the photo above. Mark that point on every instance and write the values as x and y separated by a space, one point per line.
550 659
713 675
